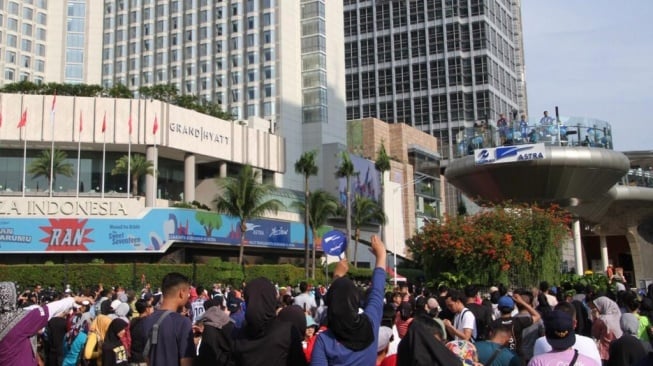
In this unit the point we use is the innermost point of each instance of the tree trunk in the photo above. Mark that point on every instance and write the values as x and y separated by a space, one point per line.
134 191
306 227
241 255
382 204
357 235
314 249
348 210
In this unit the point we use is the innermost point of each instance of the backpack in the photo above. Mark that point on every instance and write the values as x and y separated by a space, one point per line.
153 336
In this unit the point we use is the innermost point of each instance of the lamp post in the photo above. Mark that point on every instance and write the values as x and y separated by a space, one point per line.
394 229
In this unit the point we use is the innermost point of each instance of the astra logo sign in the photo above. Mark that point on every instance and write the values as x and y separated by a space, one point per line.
508 154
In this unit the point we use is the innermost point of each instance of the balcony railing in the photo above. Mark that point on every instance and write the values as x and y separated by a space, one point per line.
597 135
639 178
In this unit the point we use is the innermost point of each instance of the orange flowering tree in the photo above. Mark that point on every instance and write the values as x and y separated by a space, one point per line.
519 244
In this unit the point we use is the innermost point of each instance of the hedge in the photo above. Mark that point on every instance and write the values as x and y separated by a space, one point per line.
131 275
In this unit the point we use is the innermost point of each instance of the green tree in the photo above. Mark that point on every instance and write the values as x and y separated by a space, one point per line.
365 211
346 170
244 198
322 206
306 167
40 167
209 220
382 165
119 91
139 167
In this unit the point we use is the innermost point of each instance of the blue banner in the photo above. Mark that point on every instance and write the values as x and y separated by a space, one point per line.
154 231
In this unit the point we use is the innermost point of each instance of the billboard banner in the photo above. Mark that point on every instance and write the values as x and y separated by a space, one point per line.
153 231
509 154
365 182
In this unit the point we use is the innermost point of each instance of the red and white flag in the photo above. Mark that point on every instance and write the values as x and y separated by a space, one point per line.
81 122
23 119
0 119
104 123
130 124
156 125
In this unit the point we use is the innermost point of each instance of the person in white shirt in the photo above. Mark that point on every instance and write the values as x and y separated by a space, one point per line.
464 322
585 345
306 300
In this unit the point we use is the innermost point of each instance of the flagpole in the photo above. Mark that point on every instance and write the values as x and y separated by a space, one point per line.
79 151
156 161
104 150
21 124
129 159
54 100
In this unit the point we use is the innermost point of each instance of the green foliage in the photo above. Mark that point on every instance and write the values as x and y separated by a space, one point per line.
244 198
508 243
306 166
382 163
599 282
450 280
193 205
40 167
139 167
167 93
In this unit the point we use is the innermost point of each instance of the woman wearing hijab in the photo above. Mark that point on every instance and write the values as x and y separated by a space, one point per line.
114 352
18 325
96 334
605 327
351 337
423 345
215 347
263 339
628 350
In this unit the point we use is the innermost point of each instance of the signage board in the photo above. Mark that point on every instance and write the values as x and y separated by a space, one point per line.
509 154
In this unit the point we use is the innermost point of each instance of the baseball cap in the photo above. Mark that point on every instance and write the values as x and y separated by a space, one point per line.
385 334
559 330
506 302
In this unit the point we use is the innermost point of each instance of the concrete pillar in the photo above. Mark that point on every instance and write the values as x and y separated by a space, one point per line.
189 178
150 180
223 169
578 246
604 252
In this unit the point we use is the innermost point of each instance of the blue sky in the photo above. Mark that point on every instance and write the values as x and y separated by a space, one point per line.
593 58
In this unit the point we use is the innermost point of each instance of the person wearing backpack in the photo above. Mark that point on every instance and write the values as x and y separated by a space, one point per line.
169 335
506 306
482 313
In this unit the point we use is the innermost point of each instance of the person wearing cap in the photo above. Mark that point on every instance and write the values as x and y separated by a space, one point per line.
628 349
585 345
559 332
506 306
495 352
382 357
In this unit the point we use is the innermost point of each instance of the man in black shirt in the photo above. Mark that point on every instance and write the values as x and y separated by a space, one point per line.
506 306
144 309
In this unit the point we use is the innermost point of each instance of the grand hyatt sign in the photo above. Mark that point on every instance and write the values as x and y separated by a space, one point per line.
49 207
199 133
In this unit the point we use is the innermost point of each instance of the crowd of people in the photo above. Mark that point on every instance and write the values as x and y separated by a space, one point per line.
344 324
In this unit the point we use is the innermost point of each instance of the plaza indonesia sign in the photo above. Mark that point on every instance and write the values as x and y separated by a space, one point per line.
62 207
509 154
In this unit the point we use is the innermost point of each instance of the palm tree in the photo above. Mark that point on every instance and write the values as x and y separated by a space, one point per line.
322 206
346 170
244 198
138 167
306 167
366 211
40 167
382 164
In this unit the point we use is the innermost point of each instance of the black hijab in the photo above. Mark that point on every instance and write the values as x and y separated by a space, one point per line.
111 339
261 300
419 346
350 328
294 315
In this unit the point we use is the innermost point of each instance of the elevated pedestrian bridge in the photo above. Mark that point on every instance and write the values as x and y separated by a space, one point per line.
571 163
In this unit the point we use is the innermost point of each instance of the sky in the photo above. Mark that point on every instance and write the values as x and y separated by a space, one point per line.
593 58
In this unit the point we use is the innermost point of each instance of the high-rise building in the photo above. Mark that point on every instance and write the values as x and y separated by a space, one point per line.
437 65
50 41
264 61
